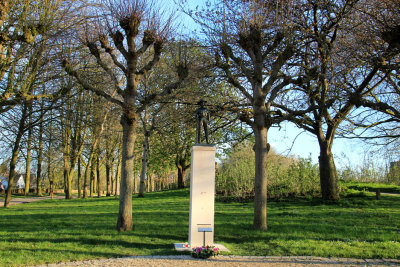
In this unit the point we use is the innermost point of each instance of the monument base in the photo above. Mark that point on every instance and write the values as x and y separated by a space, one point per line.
184 247
202 194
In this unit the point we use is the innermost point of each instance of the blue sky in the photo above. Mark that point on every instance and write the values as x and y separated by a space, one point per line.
347 152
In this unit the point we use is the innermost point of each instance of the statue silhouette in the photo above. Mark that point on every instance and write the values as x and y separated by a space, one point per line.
202 116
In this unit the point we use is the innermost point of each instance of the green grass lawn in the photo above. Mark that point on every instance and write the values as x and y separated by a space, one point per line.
371 187
65 230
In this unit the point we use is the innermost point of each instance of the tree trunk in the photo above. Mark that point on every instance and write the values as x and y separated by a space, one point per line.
98 174
49 155
69 184
49 174
67 156
128 121
86 181
117 180
166 182
28 154
28 168
39 161
182 166
112 180
327 173
108 179
145 155
181 176
15 151
160 183
92 176
118 174
143 173
11 175
79 177
109 162
152 189
148 184
86 178
260 185
51 184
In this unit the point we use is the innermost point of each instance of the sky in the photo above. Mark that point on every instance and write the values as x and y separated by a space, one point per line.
289 140
346 152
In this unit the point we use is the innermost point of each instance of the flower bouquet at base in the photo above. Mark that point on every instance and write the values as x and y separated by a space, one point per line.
204 252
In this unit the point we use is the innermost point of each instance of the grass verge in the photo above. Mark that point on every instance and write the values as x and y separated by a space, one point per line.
53 231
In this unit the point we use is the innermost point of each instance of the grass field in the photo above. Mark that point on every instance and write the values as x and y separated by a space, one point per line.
371 187
65 230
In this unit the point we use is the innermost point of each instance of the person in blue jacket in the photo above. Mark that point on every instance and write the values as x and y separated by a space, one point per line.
3 184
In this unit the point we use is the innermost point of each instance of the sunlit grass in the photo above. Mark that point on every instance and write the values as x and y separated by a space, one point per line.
371 187
64 230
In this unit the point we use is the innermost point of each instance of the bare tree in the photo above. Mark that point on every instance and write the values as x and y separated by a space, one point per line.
339 66
128 30
254 41
381 118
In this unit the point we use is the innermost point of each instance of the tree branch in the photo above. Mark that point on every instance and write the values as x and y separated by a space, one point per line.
276 67
231 79
183 72
96 53
67 67
105 45
156 58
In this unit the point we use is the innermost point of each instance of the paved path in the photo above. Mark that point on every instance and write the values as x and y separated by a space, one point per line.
225 261
22 200
19 200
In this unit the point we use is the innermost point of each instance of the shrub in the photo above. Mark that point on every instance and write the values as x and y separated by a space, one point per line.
287 177
368 169
236 177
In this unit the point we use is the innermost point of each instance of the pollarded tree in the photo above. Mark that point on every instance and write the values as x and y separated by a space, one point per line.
254 41
128 29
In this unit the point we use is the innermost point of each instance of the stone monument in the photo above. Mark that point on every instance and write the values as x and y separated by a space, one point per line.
202 188
202 191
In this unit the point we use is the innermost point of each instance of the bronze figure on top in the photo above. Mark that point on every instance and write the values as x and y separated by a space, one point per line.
202 116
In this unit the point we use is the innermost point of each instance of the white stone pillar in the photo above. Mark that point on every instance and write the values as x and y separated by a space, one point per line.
202 192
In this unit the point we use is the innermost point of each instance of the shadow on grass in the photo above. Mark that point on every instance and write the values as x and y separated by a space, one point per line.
98 241
359 219
76 252
161 218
